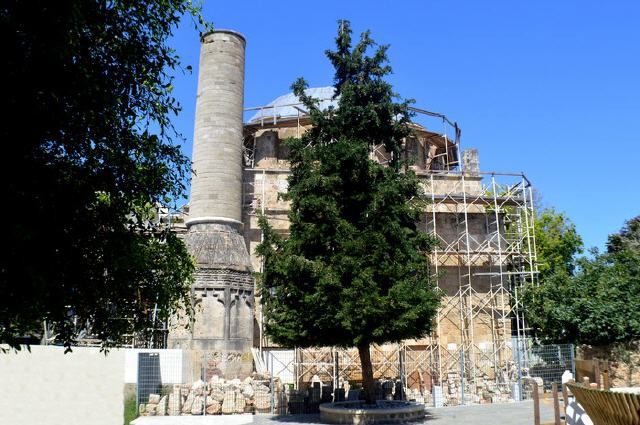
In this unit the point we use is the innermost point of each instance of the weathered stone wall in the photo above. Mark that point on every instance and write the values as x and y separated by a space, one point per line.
450 184
624 362
482 227
223 298
261 193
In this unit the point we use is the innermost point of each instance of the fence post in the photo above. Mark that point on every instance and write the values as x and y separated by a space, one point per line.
605 376
556 403
401 370
565 399
536 403
336 376
519 363
203 372
271 385
596 372
296 367
573 361
462 375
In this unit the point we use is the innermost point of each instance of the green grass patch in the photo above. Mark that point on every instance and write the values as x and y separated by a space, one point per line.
130 407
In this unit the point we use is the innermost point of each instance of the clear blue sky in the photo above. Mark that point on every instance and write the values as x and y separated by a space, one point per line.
551 88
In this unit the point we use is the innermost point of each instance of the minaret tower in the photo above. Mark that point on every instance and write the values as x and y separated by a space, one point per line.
223 289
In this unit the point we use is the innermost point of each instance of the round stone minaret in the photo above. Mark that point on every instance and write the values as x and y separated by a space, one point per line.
216 189
222 325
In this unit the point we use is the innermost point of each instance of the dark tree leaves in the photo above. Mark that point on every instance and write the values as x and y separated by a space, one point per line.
88 153
628 239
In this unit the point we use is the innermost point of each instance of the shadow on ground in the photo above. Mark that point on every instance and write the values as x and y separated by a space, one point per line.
520 413
309 419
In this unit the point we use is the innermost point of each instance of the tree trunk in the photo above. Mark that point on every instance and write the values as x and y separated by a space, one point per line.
367 374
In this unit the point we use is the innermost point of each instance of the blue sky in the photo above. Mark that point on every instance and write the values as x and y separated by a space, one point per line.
550 88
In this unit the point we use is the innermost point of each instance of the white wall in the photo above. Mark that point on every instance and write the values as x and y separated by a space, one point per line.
46 386
172 367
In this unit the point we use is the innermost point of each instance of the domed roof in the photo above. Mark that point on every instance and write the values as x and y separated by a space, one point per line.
282 107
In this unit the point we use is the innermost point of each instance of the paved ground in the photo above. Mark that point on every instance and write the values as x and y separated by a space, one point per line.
488 414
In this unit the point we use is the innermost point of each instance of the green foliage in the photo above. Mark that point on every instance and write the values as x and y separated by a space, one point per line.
628 239
598 305
354 269
557 244
87 129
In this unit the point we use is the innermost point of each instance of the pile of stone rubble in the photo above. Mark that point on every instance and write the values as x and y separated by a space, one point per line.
217 396
483 390
254 395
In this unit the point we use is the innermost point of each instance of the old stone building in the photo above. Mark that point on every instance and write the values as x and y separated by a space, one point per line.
482 220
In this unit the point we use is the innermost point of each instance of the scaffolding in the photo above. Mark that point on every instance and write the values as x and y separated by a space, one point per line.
484 226
485 229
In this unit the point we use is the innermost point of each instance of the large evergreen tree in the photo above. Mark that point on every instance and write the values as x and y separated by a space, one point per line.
354 269
88 152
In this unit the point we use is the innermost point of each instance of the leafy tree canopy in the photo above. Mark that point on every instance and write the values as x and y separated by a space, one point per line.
353 270
89 142
557 243
598 305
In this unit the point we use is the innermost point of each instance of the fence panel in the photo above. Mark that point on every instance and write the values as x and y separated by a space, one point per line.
297 381
545 364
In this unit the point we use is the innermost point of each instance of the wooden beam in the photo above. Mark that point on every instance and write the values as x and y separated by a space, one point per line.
556 403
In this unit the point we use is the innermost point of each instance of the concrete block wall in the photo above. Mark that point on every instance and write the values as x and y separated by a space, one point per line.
46 387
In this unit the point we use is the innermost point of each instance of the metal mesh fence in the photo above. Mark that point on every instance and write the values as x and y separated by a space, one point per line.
149 378
298 381
545 364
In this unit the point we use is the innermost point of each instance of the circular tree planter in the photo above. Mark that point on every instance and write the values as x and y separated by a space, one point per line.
359 413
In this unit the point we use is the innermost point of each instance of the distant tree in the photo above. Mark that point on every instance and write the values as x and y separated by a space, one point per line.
557 243
557 246
628 239
597 305
354 270
88 153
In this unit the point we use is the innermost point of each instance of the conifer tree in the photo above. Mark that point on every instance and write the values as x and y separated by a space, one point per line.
354 269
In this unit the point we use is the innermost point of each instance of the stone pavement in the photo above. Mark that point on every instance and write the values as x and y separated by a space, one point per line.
489 414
